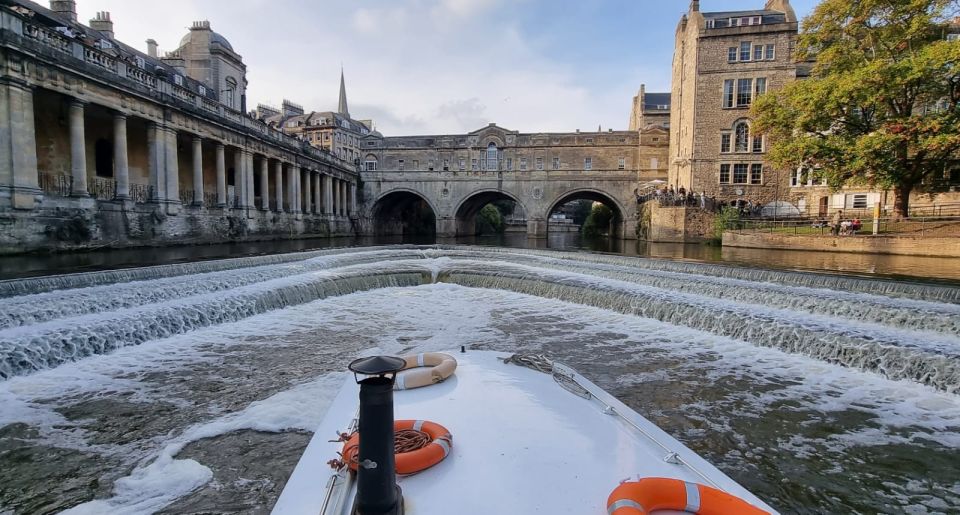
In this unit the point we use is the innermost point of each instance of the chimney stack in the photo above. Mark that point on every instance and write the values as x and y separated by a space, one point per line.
152 48
66 8
694 5
103 23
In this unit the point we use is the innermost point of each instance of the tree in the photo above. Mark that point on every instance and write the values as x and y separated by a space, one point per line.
489 220
598 223
880 107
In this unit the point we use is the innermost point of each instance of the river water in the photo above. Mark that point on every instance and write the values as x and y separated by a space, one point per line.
194 387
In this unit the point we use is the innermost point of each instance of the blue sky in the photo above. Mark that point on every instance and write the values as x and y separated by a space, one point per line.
438 66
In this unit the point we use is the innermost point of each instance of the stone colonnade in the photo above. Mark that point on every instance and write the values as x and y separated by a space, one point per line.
309 190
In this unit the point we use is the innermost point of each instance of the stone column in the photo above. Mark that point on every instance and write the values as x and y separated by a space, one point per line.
306 191
18 145
221 176
239 182
278 179
316 193
251 194
335 196
78 150
264 184
327 195
353 198
121 164
343 198
156 157
172 173
197 171
291 190
296 189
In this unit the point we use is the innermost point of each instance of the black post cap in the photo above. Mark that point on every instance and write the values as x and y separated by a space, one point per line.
377 365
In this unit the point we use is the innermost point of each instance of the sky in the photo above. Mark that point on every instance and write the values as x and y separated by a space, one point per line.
438 66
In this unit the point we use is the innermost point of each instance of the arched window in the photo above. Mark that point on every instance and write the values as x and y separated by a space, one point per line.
741 133
370 163
492 157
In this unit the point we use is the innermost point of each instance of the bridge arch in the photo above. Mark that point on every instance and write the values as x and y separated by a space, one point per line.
404 212
466 211
617 228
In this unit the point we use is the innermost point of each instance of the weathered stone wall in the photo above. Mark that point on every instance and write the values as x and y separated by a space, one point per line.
894 245
65 224
678 224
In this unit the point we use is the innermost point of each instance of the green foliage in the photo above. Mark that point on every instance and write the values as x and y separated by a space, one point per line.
584 208
598 222
881 105
728 218
490 221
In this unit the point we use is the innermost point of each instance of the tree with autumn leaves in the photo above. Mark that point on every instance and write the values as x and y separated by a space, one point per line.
880 107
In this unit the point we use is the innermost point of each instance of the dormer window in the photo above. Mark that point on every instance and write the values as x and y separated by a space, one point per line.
141 62
203 91
178 80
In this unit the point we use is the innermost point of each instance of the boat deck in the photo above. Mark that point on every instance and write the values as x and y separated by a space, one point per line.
521 444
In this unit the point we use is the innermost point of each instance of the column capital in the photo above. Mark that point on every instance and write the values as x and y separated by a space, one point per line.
78 102
197 139
117 115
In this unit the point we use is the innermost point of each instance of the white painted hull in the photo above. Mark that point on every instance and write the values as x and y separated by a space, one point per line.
521 444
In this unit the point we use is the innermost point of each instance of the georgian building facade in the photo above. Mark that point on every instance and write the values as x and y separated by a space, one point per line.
101 144
722 61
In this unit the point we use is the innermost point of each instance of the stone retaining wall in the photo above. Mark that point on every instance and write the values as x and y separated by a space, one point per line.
867 244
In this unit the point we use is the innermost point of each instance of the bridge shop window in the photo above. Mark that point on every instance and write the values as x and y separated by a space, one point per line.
474 164
400 165
492 157
556 163
416 165
622 163
523 163
539 163
588 163
463 164
510 163
446 165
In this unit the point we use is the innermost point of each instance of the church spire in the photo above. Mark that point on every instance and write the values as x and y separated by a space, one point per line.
342 107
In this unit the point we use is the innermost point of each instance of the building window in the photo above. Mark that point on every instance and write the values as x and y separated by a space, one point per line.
400 165
745 47
724 174
492 157
654 163
728 93
416 164
622 163
588 163
796 177
523 163
474 165
771 52
463 164
141 62
744 92
760 87
556 163
740 173
741 133
103 158
539 163
370 165
732 54
757 52
446 165
756 174
758 144
724 142
510 163
859 202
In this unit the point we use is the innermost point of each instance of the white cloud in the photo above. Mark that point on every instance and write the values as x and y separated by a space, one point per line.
414 66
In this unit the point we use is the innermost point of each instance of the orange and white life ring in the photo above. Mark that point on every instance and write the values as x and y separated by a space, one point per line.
441 441
657 493
436 368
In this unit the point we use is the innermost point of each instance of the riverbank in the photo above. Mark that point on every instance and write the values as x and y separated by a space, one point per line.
863 244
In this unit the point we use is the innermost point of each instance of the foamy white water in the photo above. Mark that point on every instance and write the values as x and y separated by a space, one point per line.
153 397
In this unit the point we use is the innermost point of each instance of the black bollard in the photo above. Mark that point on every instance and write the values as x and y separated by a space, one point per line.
377 489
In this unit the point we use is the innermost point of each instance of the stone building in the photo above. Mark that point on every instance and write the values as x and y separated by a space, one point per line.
721 62
650 116
335 132
104 145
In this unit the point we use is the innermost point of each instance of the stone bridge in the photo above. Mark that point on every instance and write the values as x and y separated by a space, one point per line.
455 197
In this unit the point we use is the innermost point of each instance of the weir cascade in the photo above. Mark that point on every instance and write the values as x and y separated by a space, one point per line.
898 330
194 387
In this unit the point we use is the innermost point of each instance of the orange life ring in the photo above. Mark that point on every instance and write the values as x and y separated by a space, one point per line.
441 441
657 493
